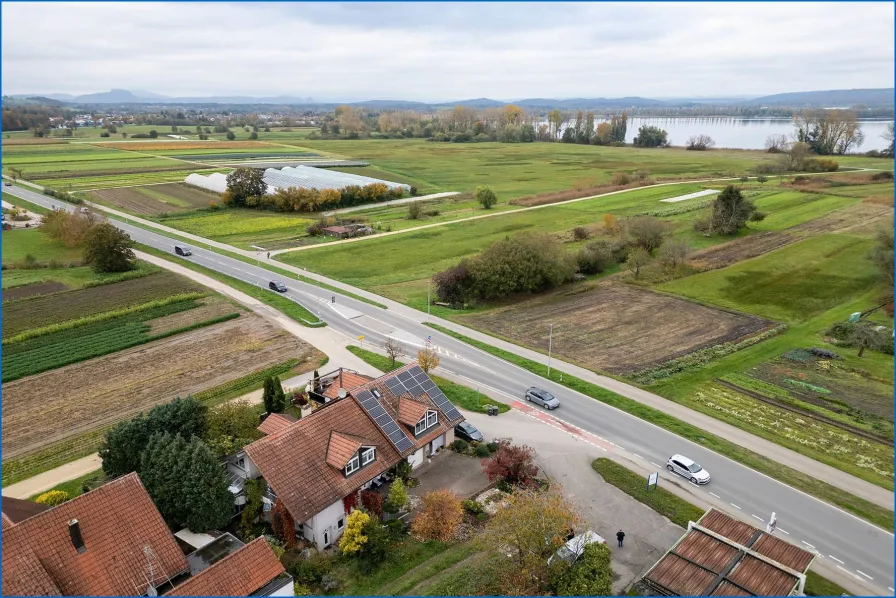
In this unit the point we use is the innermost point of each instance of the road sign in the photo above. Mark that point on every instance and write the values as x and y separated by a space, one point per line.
652 480
772 524
361 338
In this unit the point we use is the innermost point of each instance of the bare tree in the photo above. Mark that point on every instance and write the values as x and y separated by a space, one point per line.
888 136
776 144
700 142
393 349
637 259
828 131
673 253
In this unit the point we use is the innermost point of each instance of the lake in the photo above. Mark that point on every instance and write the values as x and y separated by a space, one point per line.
743 133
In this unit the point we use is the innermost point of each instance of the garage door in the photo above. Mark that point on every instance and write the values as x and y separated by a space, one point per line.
438 443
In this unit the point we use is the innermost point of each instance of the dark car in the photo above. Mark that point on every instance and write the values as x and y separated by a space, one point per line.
8 184
468 432
276 285
542 397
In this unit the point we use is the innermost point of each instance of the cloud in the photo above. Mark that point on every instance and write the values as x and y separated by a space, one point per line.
446 51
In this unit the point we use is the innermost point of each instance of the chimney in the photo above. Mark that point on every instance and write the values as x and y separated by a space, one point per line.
74 530
340 377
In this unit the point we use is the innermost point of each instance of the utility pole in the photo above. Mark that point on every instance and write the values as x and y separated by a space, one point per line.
550 345
428 301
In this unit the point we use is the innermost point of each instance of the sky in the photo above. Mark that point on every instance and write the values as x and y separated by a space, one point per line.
446 51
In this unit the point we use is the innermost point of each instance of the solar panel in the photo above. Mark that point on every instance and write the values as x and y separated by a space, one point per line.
377 411
415 370
394 385
445 405
390 427
382 419
363 395
405 377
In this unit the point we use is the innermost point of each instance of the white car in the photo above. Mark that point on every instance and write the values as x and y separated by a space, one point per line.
686 468
574 548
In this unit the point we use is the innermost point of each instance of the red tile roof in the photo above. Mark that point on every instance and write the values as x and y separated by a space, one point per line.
276 422
7 522
294 462
117 521
341 449
239 574
410 411
350 381
16 510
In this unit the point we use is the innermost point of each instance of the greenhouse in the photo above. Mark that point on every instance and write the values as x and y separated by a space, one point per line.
300 177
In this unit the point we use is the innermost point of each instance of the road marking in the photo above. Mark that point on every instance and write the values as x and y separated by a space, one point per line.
734 505
865 574
848 571
757 517
891 589
807 544
782 531
655 465
836 559
638 456
716 495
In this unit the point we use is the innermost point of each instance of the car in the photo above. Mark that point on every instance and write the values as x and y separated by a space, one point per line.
574 547
7 183
687 468
182 250
542 397
468 431
276 285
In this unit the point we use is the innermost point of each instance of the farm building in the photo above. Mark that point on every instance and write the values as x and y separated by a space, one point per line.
306 177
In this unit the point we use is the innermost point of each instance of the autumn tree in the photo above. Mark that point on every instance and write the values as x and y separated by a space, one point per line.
637 259
590 575
512 463
529 529
68 227
730 211
439 518
611 223
394 349
353 538
108 249
604 134
245 183
398 496
828 131
647 231
283 525
796 157
428 359
373 502
486 197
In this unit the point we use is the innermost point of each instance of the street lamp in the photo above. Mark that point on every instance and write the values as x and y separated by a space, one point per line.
428 300
550 344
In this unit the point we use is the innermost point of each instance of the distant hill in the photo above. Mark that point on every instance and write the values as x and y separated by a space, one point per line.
828 98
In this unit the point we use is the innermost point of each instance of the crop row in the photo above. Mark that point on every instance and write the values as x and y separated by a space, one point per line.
80 183
246 384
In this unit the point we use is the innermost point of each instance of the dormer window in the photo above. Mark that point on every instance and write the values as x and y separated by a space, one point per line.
368 456
353 465
426 422
365 457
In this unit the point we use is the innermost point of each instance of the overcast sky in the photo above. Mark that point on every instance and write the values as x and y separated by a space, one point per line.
446 51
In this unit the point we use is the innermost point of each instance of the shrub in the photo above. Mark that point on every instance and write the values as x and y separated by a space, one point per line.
481 451
433 212
439 518
580 233
504 486
493 447
486 197
886 175
459 446
308 572
647 231
820 165
373 502
595 257
701 224
52 498
414 210
757 216
473 507
642 174
620 178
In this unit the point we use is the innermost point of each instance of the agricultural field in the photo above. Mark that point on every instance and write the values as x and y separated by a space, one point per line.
243 228
616 328
153 200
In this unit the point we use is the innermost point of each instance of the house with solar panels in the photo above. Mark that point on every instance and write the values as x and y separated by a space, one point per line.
317 465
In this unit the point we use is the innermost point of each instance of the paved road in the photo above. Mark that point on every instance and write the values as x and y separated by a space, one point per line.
865 551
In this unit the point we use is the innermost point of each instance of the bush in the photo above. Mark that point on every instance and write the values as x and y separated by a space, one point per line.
433 212
459 446
642 174
595 257
481 451
758 216
486 197
504 486
472 507
308 572
52 498
820 165
493 447
620 178
886 175
580 233
414 210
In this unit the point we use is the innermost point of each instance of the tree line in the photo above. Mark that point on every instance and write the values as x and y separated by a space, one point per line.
106 248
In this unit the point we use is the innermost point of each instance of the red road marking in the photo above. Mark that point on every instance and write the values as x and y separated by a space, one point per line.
549 419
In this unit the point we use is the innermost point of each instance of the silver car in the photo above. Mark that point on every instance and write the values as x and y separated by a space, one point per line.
686 468
542 397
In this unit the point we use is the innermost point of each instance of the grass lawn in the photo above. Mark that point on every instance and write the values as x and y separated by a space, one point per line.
878 515
407 555
19 243
680 511
73 487
461 396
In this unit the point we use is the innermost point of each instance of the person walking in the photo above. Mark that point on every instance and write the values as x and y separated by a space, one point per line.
620 536
269 255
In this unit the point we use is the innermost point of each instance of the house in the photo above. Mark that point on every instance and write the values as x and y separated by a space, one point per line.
317 465
275 422
326 387
16 510
723 556
112 541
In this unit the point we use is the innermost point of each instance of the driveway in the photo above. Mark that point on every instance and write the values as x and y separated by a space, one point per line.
447 470
605 509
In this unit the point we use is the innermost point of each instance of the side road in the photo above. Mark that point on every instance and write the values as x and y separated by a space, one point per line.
826 473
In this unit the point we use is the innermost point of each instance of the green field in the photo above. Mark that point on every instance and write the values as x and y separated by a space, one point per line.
20 243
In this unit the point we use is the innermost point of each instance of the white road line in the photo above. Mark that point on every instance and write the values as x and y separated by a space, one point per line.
865 574
734 505
783 532
654 464
848 571
757 517
836 559
807 544
638 456
891 589
716 495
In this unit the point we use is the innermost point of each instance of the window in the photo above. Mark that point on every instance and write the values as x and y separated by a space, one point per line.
353 465
376 393
241 463
429 420
340 524
368 456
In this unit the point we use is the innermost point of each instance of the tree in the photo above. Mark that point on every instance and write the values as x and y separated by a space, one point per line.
650 136
373 502
673 253
108 249
440 516
637 259
254 506
231 426
394 349
730 211
828 131
353 538
415 210
529 529
797 156
16 172
279 402
186 482
762 179
428 359
647 231
611 223
486 197
398 496
511 463
230 136
882 257
861 336
268 395
245 183
700 142
455 285
590 575
153 134
283 525
618 127
377 547
253 135
888 136
776 144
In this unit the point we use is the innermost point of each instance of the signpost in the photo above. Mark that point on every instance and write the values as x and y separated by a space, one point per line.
652 480
772 524
361 338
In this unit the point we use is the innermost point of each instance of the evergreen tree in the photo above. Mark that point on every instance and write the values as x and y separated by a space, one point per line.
279 402
268 395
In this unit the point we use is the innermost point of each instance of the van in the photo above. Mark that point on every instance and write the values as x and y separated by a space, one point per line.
182 250
85 210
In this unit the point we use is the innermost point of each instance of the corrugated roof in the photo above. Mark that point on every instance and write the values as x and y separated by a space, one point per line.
714 558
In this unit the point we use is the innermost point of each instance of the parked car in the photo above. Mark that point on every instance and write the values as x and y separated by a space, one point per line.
574 548
182 250
7 183
468 432
276 285
686 468
542 397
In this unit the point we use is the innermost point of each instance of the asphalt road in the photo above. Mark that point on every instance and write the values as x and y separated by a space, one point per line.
842 541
